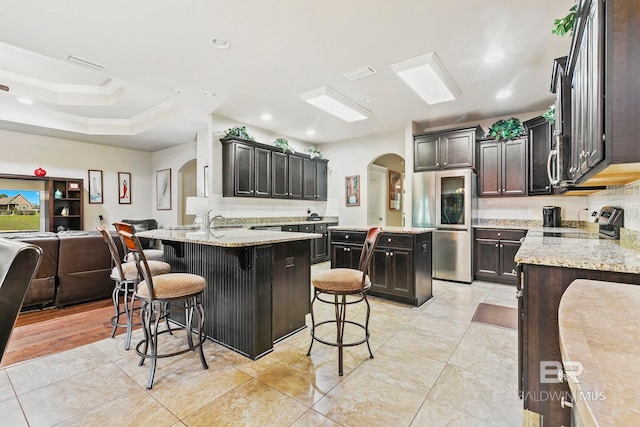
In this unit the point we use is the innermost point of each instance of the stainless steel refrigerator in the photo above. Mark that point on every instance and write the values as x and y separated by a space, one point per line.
446 201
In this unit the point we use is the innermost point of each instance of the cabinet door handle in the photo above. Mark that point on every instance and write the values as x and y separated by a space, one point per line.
502 246
496 245
561 376
386 253
565 403
390 253
389 240
499 234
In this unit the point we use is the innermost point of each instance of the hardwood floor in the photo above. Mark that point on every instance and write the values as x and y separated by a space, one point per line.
44 332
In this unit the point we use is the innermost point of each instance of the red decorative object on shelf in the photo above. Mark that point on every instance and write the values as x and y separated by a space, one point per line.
39 172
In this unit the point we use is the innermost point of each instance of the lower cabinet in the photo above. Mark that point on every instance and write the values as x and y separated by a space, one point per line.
494 252
319 247
401 266
539 339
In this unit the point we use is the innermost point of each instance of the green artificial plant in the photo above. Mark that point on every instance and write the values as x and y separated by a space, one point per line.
550 114
506 129
565 25
314 153
282 144
239 132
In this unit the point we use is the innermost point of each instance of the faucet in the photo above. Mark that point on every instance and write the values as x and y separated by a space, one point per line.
210 221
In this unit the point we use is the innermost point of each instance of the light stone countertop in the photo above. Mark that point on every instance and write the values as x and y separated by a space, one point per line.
399 230
600 333
232 237
588 254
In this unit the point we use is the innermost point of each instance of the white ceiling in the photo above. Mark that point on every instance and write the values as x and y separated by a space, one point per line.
279 49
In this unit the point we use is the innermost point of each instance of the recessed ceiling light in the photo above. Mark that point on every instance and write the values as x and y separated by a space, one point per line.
266 117
336 104
220 43
27 101
209 93
426 75
311 132
494 56
176 91
503 94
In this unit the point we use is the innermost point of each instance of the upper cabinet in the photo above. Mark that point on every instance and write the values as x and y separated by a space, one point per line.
540 138
251 169
602 69
449 149
503 168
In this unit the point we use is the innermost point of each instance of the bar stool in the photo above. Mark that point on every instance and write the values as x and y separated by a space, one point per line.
340 283
150 254
126 276
160 296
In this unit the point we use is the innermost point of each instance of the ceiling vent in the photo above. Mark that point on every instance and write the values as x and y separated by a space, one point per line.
360 73
85 63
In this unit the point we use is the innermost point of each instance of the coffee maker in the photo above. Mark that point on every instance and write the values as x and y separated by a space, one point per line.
551 216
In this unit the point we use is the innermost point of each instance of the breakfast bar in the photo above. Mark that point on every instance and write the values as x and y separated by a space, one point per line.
258 282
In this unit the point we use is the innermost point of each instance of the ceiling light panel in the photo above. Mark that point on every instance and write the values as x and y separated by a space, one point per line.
426 75
336 104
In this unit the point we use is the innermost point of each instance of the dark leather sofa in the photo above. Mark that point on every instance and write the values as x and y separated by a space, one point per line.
43 286
75 268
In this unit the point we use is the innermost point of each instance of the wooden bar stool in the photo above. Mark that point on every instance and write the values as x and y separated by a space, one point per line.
150 254
126 277
341 283
161 295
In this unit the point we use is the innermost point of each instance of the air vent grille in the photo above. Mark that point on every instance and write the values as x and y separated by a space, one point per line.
360 73
84 62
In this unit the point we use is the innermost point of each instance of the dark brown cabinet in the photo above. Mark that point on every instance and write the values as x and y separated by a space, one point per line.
539 140
401 266
251 169
248 170
602 68
503 168
279 175
314 186
538 335
66 205
494 254
450 149
319 247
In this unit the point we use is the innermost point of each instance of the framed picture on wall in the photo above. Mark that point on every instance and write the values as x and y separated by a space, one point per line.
124 188
395 190
163 190
352 190
95 187
206 181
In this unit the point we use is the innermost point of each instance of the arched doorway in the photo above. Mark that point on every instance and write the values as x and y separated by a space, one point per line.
385 192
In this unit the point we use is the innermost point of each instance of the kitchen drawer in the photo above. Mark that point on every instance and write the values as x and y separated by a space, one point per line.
320 227
355 237
293 228
388 240
306 228
500 234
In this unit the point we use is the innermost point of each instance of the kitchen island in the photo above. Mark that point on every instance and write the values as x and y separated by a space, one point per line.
548 266
258 282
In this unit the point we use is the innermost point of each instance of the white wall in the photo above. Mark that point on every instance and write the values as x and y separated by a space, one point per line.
173 158
22 153
352 157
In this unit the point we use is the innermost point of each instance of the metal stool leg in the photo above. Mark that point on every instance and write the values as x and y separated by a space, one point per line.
313 321
366 324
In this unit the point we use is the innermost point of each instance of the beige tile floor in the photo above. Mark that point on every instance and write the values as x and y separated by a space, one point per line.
432 367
